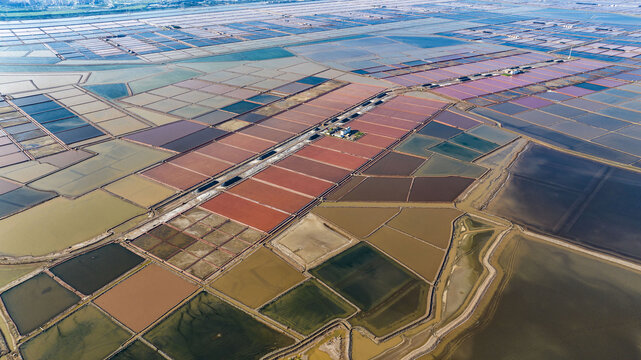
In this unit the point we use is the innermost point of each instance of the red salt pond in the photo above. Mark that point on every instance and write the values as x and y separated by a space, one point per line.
201 164
270 195
389 121
244 211
301 117
174 176
377 129
226 152
348 147
331 157
376 140
266 133
294 181
247 142
284 125
313 168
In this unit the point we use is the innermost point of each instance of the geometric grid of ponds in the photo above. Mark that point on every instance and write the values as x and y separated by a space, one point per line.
194 167
198 242
248 203
433 164
52 116
597 117
476 88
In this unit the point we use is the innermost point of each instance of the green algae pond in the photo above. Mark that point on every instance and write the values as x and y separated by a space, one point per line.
137 350
555 304
86 334
307 307
207 325
34 302
388 294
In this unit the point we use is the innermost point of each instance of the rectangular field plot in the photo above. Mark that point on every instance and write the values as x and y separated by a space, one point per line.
258 278
91 271
85 334
34 302
313 168
388 295
358 221
433 226
273 196
139 190
198 242
61 222
115 159
294 181
247 212
145 296
422 258
395 164
307 307
331 157
309 240
188 332
402 189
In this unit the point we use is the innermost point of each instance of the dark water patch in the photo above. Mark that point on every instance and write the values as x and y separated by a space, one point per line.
458 152
575 198
22 198
363 275
95 269
438 189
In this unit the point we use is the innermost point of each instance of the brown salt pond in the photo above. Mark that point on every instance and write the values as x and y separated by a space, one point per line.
258 278
422 258
434 226
347 186
438 189
145 296
380 189
395 164
358 221
309 240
